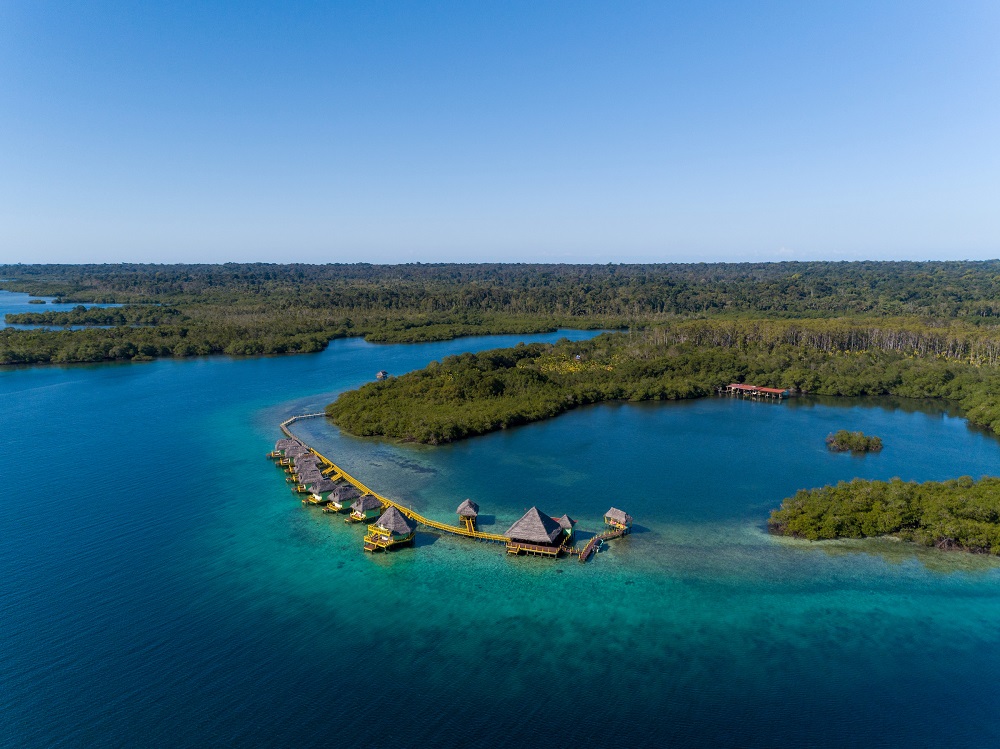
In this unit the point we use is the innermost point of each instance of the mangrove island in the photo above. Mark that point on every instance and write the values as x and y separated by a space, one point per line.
854 442
957 514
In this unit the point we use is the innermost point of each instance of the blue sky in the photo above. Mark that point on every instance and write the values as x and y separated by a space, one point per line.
509 131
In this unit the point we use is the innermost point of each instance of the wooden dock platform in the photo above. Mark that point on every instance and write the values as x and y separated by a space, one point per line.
466 530
592 545
455 530
753 391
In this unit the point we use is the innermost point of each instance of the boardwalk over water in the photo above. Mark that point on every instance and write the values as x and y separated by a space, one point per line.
340 473
335 473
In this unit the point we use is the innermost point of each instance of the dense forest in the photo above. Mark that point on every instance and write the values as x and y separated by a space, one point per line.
943 289
476 393
253 309
957 514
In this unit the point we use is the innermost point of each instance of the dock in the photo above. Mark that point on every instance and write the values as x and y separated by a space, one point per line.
386 502
376 541
593 544
755 392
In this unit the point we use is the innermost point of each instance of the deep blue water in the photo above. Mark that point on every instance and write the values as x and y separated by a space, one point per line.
160 586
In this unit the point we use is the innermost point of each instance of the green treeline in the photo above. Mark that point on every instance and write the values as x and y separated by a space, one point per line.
200 331
855 442
254 309
961 514
802 289
476 393
80 315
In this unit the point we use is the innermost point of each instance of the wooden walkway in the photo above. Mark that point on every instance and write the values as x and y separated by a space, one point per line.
599 539
340 473
335 472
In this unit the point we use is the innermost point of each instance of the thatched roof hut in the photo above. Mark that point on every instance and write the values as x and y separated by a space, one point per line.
395 523
346 493
322 486
566 522
468 509
285 444
615 515
365 503
535 527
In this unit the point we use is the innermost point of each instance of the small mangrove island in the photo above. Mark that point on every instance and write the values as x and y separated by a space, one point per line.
958 514
855 442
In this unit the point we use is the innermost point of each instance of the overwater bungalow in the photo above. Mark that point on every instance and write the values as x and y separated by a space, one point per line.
341 498
320 491
535 533
566 523
289 455
281 445
468 511
302 480
618 518
393 528
364 508
303 466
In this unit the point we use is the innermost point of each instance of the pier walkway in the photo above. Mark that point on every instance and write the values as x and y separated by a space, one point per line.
340 473
753 391
599 539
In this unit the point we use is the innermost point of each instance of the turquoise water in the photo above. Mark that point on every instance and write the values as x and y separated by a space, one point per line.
160 586
14 303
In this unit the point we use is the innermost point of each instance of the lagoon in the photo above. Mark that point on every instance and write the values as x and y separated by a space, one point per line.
160 586
16 302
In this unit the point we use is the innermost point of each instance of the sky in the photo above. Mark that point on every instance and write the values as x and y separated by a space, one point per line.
514 131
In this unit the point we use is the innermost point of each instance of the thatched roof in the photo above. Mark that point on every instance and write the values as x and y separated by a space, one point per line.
286 443
535 527
468 509
323 485
566 522
618 516
308 477
343 493
365 503
396 523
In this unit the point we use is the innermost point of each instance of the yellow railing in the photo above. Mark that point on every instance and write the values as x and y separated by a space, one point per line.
454 529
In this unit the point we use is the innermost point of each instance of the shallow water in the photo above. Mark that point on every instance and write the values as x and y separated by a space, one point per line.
160 586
